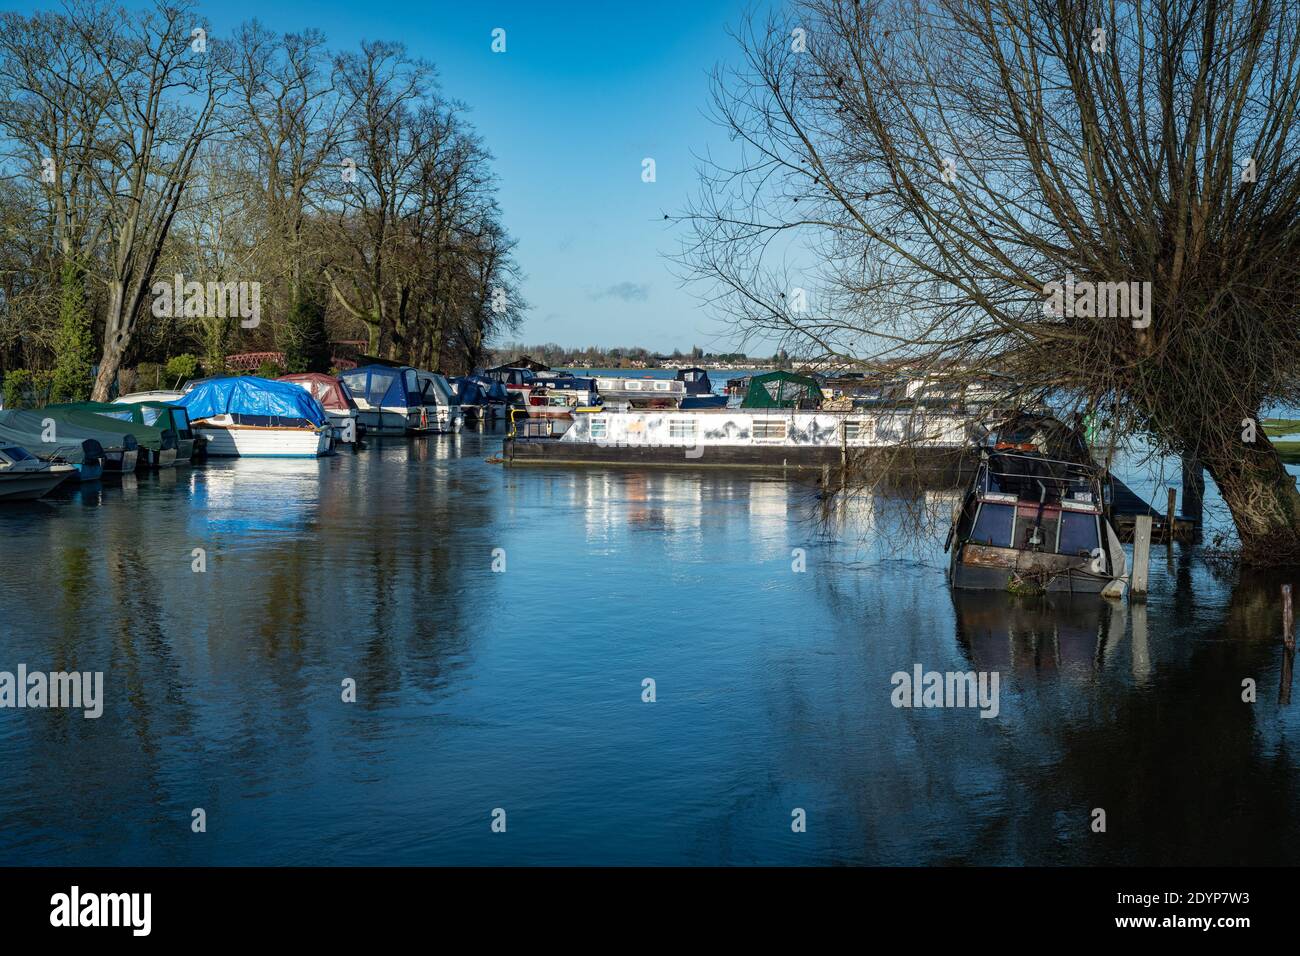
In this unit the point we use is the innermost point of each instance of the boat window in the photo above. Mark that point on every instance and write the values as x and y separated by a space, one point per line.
150 414
1035 531
993 525
1078 533
864 430
599 428
769 428
681 428
14 453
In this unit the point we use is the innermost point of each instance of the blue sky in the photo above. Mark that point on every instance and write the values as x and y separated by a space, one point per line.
584 92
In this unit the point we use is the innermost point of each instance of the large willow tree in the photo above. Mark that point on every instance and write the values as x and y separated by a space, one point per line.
924 170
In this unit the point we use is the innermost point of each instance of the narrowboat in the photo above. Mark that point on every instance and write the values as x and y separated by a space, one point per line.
335 398
931 449
641 392
248 417
24 477
399 399
157 446
1034 517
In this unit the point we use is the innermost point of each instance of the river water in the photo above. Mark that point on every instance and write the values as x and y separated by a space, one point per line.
499 626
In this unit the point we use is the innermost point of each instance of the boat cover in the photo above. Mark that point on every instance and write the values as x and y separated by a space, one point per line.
782 390
84 417
249 396
384 385
333 395
26 427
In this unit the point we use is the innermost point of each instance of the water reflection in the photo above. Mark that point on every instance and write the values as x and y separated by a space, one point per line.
518 683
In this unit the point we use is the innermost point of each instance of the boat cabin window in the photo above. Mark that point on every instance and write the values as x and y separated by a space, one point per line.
993 525
864 430
14 453
599 428
769 428
681 429
1078 533
1035 531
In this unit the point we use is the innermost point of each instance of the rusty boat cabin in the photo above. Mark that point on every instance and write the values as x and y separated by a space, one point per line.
1031 522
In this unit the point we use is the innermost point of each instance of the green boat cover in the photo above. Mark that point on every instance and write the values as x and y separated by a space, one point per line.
782 390
93 415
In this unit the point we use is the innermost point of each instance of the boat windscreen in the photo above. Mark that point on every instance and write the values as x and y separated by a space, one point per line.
993 525
1078 533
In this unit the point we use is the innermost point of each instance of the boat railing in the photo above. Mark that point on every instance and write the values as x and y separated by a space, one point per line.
1076 476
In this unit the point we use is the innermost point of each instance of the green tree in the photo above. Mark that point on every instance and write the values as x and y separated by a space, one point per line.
74 346
307 341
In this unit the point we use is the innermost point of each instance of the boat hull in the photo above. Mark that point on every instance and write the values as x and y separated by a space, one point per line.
28 486
409 421
251 441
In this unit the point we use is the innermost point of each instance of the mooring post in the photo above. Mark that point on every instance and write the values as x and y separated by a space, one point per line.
1141 557
826 479
1288 622
1171 512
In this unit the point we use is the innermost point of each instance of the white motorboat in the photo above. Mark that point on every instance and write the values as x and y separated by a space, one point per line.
23 476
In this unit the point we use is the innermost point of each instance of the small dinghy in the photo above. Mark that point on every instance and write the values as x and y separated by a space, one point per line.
24 477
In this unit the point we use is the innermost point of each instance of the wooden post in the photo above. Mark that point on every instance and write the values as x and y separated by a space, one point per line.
1171 512
1288 622
1141 557
826 479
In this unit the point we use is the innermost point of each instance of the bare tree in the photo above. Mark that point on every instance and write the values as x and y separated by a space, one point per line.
924 172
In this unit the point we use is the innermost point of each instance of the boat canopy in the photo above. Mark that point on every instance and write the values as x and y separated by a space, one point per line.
782 390
88 416
248 396
696 379
333 395
27 430
385 385
31 423
168 416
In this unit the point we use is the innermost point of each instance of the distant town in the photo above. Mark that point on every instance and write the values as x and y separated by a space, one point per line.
557 356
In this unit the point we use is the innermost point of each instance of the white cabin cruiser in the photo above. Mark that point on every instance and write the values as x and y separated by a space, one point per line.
24 477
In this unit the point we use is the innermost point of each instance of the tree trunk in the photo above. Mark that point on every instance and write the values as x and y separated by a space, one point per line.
1264 502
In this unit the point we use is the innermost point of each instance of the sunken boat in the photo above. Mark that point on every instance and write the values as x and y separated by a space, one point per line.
1034 517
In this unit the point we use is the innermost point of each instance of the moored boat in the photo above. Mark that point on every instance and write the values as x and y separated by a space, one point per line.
641 392
699 390
392 400
335 398
24 477
1034 517
85 454
158 413
157 447
249 417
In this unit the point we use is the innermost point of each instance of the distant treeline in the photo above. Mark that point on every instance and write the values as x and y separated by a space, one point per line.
558 356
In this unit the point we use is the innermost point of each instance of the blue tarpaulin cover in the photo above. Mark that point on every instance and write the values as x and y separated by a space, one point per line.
246 395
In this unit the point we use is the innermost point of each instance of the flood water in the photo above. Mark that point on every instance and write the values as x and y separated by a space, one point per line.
499 625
